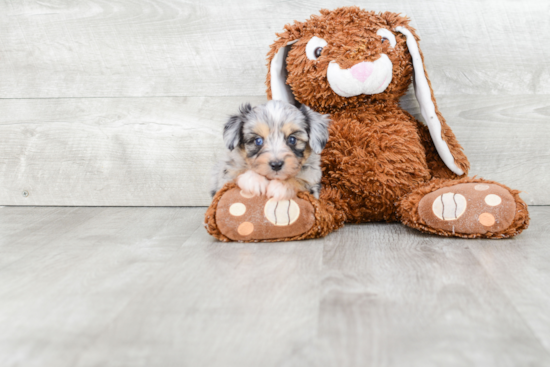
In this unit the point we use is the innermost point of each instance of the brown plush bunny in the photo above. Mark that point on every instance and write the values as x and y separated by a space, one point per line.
380 164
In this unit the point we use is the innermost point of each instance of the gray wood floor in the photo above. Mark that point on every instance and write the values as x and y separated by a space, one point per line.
148 287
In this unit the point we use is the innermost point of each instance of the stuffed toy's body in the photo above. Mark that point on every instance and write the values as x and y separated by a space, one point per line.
380 163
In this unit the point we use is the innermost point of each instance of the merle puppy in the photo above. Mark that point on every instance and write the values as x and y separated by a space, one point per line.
273 150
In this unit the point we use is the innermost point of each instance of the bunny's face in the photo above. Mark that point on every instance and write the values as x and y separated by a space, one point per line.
347 57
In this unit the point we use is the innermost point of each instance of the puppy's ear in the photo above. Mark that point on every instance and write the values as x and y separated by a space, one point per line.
317 127
233 129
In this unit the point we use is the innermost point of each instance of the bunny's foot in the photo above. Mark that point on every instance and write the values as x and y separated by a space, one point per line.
469 207
235 215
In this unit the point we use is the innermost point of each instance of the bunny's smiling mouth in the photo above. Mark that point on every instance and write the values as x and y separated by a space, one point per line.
362 78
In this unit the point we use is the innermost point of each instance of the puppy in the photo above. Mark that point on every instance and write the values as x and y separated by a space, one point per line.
273 150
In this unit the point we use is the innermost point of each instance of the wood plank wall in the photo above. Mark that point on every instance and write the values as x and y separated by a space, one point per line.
122 102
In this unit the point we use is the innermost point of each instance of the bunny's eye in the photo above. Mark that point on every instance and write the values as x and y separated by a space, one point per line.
386 36
314 48
317 52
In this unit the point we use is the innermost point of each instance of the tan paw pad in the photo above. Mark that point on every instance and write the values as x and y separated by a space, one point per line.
282 212
255 218
487 219
468 208
246 195
449 206
482 187
245 228
493 200
237 209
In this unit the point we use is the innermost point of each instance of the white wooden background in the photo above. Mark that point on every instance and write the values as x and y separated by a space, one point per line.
122 102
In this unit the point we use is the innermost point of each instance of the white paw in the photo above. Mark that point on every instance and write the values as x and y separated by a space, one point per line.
280 190
252 183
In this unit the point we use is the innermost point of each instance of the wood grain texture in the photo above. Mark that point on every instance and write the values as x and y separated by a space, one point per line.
125 48
159 151
153 151
73 133
148 287
523 273
393 297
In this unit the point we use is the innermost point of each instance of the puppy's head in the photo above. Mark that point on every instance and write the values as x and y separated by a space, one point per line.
276 138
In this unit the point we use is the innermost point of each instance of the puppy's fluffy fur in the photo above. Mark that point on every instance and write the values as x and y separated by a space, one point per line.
273 150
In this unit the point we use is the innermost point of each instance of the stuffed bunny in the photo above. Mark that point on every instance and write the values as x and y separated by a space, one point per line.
380 163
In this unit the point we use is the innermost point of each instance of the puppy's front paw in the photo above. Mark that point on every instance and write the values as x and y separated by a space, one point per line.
252 183
280 190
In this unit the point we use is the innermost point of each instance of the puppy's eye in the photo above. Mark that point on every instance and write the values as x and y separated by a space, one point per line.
292 140
259 141
314 48
384 39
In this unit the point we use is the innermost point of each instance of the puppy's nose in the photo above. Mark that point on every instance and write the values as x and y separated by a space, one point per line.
362 70
276 165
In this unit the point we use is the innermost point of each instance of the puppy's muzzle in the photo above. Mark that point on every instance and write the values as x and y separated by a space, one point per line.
276 165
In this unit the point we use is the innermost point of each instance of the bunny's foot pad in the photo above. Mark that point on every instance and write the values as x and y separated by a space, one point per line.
235 216
472 209
242 217
468 208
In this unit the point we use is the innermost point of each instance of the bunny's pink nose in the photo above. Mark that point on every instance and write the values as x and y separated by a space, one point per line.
362 70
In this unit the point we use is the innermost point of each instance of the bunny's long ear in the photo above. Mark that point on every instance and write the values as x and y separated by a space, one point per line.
277 72
444 140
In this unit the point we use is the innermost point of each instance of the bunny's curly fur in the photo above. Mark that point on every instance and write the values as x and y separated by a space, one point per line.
375 146
379 162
